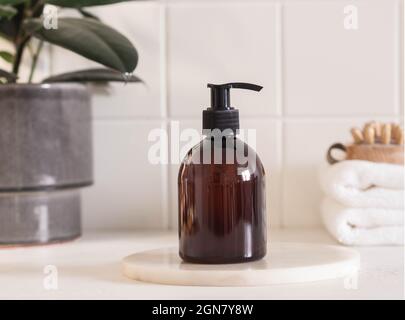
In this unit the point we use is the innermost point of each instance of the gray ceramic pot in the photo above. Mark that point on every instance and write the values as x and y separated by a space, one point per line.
45 158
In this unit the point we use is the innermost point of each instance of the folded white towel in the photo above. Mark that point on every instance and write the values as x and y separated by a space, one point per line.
363 226
364 184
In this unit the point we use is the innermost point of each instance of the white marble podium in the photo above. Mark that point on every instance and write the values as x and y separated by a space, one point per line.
285 262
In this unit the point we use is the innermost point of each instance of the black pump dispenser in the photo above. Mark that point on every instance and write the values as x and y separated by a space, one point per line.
221 115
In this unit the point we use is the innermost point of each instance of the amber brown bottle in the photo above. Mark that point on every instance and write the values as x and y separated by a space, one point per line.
222 197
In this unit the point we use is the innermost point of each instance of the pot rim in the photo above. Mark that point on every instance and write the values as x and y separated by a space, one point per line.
44 86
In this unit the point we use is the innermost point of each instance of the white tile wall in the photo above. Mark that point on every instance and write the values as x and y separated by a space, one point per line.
221 43
330 70
319 80
129 191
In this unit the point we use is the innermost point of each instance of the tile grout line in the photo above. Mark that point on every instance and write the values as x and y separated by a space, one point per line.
280 104
260 118
400 59
279 59
165 204
163 60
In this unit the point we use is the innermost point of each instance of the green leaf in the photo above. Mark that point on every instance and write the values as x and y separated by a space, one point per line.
93 75
7 12
90 39
9 26
8 76
11 2
87 14
4 37
82 3
8 29
7 56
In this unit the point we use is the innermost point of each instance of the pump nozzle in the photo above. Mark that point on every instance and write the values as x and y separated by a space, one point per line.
220 93
221 115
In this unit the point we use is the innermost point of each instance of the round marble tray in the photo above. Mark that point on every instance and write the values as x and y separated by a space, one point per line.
284 263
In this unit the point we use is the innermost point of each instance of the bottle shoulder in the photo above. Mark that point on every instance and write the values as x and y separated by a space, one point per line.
231 159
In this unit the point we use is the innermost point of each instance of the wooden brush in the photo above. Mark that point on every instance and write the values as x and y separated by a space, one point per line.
357 135
386 133
369 134
376 142
397 135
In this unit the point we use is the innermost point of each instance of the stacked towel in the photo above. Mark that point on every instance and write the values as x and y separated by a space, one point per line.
364 202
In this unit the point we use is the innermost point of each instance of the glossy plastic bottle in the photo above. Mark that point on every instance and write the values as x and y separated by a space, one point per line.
222 197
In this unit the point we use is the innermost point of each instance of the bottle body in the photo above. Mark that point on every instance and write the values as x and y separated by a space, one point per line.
222 204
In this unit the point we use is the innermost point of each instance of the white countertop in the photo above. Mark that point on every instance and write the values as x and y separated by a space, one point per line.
90 268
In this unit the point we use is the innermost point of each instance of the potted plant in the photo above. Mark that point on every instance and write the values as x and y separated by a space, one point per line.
45 128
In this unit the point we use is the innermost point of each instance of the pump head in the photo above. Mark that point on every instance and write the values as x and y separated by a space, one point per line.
221 115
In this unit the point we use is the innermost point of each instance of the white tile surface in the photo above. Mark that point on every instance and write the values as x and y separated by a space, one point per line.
305 146
128 190
329 70
268 148
140 23
220 43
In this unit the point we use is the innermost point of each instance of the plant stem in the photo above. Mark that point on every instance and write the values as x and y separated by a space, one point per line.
21 40
35 61
37 8
19 54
